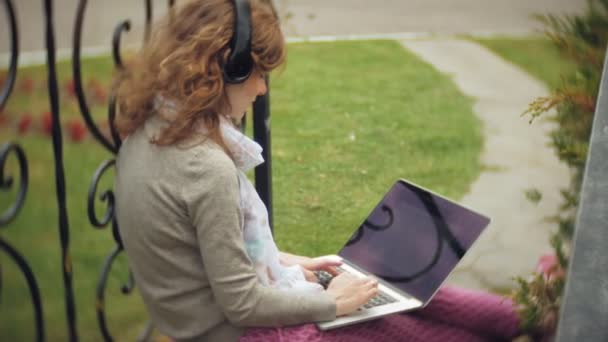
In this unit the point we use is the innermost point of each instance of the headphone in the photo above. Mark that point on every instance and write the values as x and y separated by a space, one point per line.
239 66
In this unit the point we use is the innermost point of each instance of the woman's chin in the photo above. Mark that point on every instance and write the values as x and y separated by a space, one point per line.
236 118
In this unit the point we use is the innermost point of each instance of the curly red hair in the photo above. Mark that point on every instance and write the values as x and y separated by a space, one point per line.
182 63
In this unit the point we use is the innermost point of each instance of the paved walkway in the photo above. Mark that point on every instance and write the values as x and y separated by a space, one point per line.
516 157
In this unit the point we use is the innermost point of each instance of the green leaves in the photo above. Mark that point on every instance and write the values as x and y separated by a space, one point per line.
582 39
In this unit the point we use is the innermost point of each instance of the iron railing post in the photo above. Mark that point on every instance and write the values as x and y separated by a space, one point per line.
261 134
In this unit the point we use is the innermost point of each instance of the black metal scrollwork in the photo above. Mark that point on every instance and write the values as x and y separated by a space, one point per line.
125 25
122 27
76 67
108 195
109 216
6 183
101 288
111 117
12 70
64 230
148 20
31 283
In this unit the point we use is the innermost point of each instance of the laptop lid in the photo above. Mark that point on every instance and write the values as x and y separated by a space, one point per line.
413 239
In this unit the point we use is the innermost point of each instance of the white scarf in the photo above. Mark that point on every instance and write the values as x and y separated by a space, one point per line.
259 242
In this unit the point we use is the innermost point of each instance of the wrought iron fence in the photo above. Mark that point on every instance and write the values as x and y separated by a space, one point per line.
6 181
261 128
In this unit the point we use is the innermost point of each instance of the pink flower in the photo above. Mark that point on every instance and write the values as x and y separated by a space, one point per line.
548 265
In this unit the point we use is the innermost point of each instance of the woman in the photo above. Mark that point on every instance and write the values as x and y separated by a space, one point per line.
194 230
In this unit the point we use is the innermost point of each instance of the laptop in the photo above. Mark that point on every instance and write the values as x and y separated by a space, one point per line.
411 242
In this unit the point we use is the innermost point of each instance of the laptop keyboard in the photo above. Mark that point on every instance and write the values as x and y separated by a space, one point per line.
324 278
380 299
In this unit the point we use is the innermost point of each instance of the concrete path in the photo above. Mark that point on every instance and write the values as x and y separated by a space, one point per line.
516 157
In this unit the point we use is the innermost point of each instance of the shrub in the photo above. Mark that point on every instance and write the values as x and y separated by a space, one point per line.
583 39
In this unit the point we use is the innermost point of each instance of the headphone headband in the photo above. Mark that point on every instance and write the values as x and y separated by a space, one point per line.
240 64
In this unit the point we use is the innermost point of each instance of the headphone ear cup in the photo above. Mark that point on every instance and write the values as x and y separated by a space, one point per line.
237 70
239 65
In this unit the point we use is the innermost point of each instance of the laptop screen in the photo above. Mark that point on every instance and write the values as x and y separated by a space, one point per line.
413 239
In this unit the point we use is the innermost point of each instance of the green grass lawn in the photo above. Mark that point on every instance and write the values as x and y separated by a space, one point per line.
348 119
536 55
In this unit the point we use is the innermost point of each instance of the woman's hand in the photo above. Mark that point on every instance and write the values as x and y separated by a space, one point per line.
351 292
327 263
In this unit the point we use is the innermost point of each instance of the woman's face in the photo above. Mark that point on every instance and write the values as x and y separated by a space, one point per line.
242 95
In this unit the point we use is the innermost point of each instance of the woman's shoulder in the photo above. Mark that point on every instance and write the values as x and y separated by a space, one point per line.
188 160
205 157
206 169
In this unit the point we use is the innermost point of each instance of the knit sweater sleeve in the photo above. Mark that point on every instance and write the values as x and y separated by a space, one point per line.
212 198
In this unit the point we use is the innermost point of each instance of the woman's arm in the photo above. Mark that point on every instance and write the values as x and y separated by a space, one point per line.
213 200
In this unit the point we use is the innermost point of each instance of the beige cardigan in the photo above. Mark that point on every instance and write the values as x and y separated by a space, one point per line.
180 222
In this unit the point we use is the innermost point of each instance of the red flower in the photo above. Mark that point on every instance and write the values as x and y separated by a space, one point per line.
97 90
548 265
100 95
70 87
3 119
24 123
46 122
27 85
93 83
76 130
